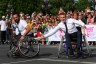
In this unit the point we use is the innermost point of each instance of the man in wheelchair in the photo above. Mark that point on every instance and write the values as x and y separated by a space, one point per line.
68 26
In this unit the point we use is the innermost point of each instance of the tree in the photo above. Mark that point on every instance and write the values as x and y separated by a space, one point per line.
3 6
27 6
81 5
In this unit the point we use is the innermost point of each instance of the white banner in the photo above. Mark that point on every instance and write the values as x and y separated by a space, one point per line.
91 32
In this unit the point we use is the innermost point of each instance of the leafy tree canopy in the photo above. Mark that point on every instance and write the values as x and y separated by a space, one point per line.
28 6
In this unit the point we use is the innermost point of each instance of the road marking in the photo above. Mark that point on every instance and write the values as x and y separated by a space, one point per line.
55 60
52 60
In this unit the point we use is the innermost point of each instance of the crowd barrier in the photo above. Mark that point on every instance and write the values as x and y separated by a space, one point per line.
91 32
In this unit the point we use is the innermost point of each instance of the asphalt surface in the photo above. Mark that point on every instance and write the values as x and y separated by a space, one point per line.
47 55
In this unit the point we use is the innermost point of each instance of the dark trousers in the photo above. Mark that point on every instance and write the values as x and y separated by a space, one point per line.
3 36
77 35
9 34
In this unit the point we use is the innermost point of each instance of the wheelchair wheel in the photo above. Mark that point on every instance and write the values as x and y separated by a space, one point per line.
88 50
28 49
61 49
13 50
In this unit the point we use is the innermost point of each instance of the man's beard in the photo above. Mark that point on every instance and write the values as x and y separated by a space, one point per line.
17 21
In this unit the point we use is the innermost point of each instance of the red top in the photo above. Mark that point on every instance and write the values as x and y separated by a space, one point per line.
38 33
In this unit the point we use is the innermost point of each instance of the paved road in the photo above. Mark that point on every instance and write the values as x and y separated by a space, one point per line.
48 55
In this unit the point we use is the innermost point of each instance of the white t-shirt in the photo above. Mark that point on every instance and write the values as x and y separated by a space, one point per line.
3 25
22 27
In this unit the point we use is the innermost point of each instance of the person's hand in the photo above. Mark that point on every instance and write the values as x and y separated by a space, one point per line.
39 38
22 38
14 32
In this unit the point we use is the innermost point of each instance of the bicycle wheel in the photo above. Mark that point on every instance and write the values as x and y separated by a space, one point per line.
28 49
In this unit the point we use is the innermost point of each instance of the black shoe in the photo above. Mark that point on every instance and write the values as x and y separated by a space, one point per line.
70 53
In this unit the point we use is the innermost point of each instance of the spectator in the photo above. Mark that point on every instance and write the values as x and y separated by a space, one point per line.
90 19
3 30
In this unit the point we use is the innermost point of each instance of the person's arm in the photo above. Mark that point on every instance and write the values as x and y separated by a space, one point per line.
27 27
49 34
92 20
82 25
52 32
27 30
83 30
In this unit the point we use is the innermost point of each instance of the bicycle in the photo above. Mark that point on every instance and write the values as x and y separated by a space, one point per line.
27 48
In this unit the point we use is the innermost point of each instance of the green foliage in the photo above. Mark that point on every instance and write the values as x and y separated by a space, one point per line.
3 6
28 6
68 6
56 3
81 5
54 11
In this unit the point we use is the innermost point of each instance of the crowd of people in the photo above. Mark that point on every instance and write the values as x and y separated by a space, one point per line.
42 24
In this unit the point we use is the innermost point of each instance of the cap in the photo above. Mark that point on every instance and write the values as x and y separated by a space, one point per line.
3 16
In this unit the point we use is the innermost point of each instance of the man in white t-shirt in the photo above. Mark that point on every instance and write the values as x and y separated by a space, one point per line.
3 29
22 27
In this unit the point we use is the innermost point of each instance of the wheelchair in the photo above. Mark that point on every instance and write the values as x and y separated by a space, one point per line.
63 50
27 48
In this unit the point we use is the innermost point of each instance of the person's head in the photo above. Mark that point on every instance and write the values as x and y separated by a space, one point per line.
3 17
68 15
62 16
75 15
89 15
16 18
80 16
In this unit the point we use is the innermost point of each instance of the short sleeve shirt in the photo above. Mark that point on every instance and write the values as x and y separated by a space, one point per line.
22 26
3 25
